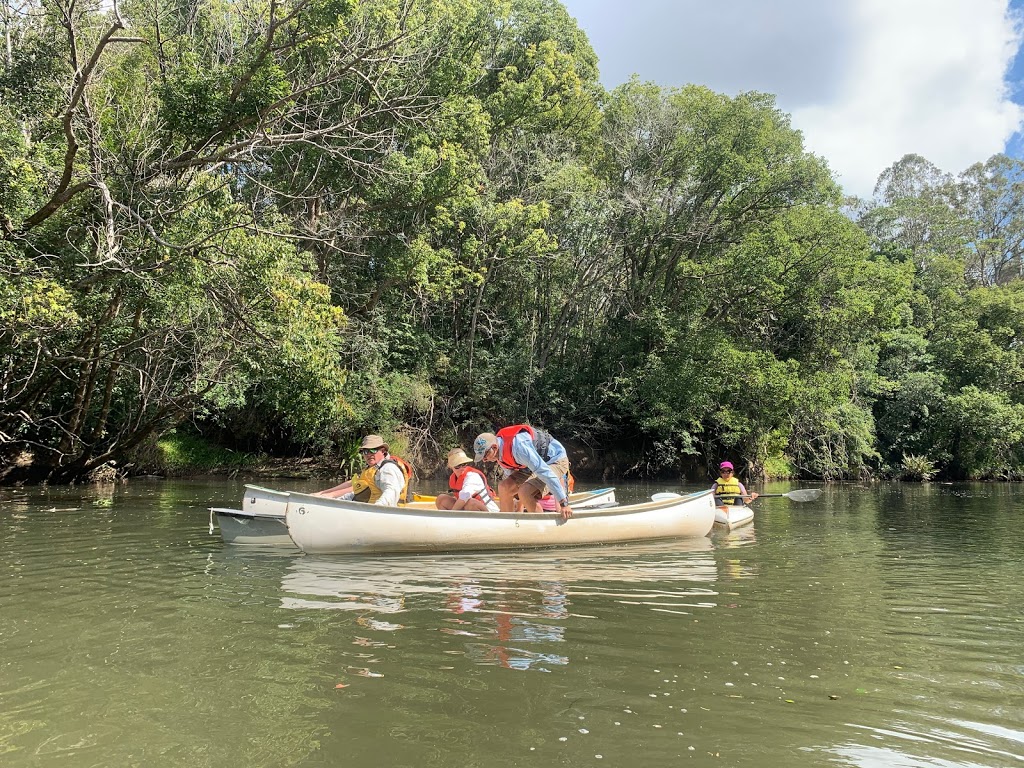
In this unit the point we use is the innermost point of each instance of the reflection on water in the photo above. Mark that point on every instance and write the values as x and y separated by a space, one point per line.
904 745
514 600
346 578
878 626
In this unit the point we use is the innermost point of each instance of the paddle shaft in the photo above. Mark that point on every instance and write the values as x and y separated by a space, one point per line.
806 494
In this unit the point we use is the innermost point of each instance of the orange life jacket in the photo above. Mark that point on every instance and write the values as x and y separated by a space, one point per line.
458 479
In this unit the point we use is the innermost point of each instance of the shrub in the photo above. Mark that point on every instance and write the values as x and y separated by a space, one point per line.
919 468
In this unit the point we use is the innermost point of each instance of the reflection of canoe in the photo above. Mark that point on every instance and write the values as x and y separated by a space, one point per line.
733 516
261 518
333 526
383 583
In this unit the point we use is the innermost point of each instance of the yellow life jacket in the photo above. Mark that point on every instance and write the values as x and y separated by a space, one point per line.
727 491
364 487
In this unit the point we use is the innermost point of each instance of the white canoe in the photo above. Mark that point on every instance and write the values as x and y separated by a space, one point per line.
258 500
733 516
332 526
599 497
261 518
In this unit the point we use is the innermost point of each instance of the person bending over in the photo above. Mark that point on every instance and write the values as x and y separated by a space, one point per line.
531 460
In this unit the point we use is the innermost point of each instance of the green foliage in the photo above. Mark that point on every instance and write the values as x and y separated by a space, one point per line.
19 183
949 385
180 451
919 468
831 439
984 434
33 308
197 102
294 224
779 468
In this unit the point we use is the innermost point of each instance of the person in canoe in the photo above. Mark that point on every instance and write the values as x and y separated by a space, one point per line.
728 489
384 482
468 484
531 460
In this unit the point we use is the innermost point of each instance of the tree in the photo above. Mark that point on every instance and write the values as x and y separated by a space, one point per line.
157 269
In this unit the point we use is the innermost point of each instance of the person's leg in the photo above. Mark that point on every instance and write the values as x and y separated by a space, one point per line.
535 488
444 501
507 490
506 493
530 493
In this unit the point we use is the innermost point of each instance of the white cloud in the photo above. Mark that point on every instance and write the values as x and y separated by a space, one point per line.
866 81
930 83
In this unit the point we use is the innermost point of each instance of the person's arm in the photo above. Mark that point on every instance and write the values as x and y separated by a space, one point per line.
747 496
471 485
390 480
336 491
524 452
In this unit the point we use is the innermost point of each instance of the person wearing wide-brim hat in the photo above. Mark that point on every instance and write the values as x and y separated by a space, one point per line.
728 488
469 486
384 482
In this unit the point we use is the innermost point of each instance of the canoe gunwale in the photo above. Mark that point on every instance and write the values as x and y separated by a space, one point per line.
254 493
602 511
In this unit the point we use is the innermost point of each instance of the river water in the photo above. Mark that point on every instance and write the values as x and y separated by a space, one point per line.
877 626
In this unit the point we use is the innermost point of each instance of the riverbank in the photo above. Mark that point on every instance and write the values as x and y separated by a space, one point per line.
182 454
588 465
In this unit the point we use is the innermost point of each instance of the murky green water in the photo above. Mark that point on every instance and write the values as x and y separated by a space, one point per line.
876 627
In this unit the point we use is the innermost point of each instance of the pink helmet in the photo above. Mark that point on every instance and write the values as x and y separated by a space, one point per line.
726 465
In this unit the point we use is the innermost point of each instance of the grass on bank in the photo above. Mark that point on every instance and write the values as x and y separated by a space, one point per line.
183 452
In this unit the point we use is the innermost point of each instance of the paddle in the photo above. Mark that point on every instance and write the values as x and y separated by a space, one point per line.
805 494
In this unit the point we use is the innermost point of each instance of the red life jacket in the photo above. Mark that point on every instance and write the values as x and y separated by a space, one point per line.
458 479
505 458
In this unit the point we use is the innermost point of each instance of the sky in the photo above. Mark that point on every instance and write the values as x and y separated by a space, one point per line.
865 81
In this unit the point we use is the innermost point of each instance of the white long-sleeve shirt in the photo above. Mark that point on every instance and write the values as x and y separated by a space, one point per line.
473 484
390 479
